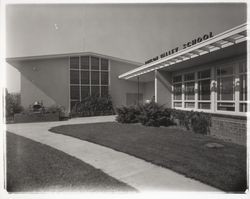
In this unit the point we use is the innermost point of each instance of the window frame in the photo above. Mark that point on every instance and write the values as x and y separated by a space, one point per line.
244 73
200 80
213 87
89 70
185 82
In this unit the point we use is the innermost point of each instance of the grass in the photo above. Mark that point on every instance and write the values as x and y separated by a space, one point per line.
32 166
173 148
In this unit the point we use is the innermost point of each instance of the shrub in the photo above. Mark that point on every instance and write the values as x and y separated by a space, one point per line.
56 109
183 117
128 114
93 106
13 104
150 114
199 122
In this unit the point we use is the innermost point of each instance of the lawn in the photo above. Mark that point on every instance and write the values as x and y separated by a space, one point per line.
179 150
32 166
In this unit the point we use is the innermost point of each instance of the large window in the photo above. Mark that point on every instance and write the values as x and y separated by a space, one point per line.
204 92
225 88
219 88
85 62
177 86
189 90
243 87
88 76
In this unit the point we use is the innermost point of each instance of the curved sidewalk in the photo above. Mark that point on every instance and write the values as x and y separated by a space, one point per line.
136 172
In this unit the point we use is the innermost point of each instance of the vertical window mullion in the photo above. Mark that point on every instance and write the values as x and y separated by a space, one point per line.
172 96
196 90
109 76
183 91
100 77
90 70
79 71
69 86
237 91
213 85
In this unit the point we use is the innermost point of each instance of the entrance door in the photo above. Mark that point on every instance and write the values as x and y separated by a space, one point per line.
132 98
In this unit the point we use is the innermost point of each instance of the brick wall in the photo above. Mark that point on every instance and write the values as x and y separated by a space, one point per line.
229 128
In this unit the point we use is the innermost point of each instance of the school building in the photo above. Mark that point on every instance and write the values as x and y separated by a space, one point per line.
208 74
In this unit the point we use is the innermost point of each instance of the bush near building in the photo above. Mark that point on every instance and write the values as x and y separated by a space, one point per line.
93 106
12 104
40 114
198 122
152 114
149 114
128 114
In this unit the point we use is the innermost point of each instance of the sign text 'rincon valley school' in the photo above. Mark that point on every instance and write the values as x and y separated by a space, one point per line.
186 45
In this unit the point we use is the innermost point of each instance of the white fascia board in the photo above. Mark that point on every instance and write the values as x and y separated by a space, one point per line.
216 38
40 57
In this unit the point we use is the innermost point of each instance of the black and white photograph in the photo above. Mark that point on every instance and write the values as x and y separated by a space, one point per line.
125 98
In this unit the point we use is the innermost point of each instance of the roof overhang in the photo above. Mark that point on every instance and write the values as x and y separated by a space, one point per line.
230 38
54 56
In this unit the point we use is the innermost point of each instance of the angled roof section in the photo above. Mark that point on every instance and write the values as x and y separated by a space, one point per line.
13 59
228 38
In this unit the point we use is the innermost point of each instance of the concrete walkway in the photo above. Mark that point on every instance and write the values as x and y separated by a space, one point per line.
136 172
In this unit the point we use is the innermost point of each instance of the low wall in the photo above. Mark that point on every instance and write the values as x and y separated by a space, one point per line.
233 128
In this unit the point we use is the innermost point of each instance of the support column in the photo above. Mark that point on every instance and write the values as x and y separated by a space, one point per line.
138 89
213 89
156 86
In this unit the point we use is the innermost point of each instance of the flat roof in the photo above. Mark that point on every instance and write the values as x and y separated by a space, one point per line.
225 39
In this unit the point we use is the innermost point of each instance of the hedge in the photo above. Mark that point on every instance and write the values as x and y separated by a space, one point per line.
93 106
152 114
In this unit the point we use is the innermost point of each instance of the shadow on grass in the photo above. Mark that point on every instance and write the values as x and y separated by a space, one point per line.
34 167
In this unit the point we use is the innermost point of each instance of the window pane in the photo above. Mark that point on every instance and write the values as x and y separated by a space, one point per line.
178 91
189 91
243 107
85 62
105 78
204 90
189 77
94 63
243 67
104 91
74 92
243 87
74 76
204 74
94 77
95 91
204 105
84 77
226 106
73 103
189 104
104 64
177 104
85 91
74 62
177 78
225 88
225 70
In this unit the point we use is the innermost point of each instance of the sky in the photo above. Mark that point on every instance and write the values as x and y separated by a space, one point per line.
135 32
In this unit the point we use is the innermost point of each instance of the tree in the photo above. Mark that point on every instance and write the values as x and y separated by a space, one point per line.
12 103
